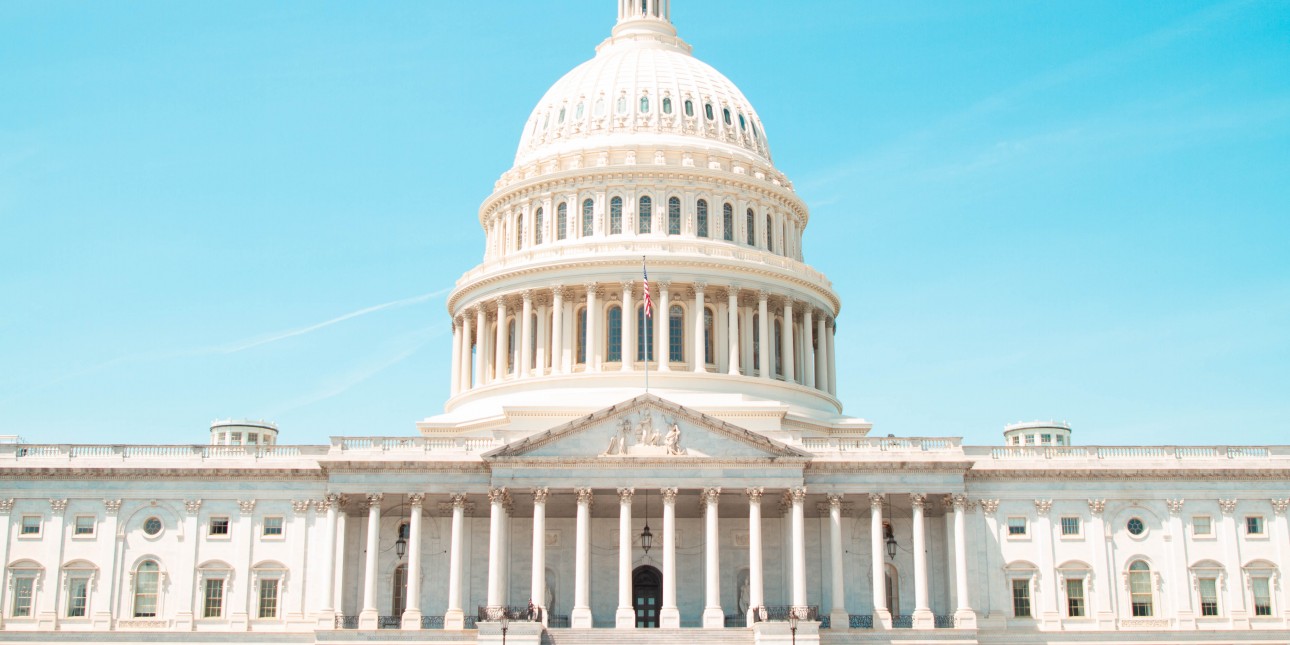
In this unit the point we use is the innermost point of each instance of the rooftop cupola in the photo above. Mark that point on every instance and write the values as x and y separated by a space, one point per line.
645 16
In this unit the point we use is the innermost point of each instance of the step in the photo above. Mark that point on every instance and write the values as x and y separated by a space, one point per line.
690 636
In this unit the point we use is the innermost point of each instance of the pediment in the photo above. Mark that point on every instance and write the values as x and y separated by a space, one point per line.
647 427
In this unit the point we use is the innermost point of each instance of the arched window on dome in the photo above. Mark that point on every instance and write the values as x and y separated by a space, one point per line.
673 216
147 578
667 105
622 105
561 221
707 111
701 218
725 114
676 335
752 239
644 334
581 336
578 111
600 107
588 216
1140 595
743 125
709 337
539 227
519 232
644 104
616 216
689 109
510 342
728 222
756 342
643 218
560 120
614 335
778 348
770 235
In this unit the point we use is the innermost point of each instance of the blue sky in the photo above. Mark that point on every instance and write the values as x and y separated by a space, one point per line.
1030 210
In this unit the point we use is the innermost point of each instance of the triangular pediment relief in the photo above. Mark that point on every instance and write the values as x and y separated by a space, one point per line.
647 427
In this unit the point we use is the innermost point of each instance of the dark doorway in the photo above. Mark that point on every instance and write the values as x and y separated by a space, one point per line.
647 595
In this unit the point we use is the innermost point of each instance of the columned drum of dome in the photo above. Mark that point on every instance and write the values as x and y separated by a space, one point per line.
642 145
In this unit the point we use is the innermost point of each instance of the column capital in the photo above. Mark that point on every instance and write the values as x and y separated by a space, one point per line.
1174 505
558 292
540 495
1280 505
835 500
710 496
301 505
991 506
526 296
112 506
373 499
416 499
1096 506
763 295
876 500
754 494
962 503
663 286
917 500
1227 506
796 495
585 496
629 287
593 288
329 500
192 506
497 496
1043 506
6 506
669 495
457 500
625 495
699 287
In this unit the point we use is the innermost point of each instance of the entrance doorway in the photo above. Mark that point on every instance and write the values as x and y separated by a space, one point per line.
647 595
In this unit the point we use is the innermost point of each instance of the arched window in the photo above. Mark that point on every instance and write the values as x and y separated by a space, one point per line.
709 338
510 342
689 107
644 335
600 107
581 340
770 239
752 240
756 341
622 105
398 593
893 588
644 104
643 218
779 348
519 232
577 113
728 223
614 337
667 105
588 212
561 221
673 216
707 111
146 579
725 114
1140 597
701 218
616 216
539 235
676 335
743 125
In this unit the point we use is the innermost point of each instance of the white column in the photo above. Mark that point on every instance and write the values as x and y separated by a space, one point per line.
1045 604
732 322
412 608
923 617
368 617
669 616
557 331
327 618
496 498
594 342
963 614
798 498
481 330
455 384
662 345
625 617
878 567
526 334
454 618
821 355
1281 530
537 591
755 586
501 347
1103 576
629 329
838 615
580 617
789 361
763 336
808 346
745 341
713 616
831 335
700 342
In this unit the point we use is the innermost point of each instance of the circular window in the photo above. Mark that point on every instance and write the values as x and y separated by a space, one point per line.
152 526
1136 527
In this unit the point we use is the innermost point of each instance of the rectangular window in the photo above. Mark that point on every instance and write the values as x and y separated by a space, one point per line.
22 588
1202 525
30 525
252 438
236 439
218 526
1208 596
268 598
1016 526
272 526
1030 440
1021 598
77 596
84 525
1254 525
1070 526
1046 439
1075 597
1262 595
1061 441
213 598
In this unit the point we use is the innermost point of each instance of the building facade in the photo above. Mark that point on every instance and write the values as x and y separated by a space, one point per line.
643 436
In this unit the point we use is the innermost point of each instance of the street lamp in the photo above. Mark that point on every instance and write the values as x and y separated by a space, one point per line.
792 623
891 541
506 623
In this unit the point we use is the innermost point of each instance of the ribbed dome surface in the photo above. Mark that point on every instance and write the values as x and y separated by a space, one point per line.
642 91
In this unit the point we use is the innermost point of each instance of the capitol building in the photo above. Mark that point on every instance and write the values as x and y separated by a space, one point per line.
643 444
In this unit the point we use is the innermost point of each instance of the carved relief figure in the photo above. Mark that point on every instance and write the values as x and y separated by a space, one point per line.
673 440
743 598
646 435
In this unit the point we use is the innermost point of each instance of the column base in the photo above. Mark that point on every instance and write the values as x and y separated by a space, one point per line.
411 619
924 619
779 633
580 618
713 618
669 618
881 619
965 619
625 618
454 619
368 619
839 620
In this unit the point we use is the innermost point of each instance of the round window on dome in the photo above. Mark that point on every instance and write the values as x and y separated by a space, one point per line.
707 111
667 105
1135 526
689 107
725 113
152 526
644 104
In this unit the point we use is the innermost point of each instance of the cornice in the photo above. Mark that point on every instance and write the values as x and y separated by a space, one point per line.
679 462
1219 474
161 472
398 466
893 466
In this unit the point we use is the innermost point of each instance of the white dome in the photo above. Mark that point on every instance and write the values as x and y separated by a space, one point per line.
643 86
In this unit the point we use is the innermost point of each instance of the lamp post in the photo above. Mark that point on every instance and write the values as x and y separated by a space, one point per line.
792 623
506 623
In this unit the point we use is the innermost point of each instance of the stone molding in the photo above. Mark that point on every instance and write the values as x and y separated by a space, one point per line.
1227 506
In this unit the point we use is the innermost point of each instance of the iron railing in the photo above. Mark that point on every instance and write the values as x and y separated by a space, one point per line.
529 613
945 621
782 613
736 621
389 622
558 621
346 622
432 622
861 621
902 621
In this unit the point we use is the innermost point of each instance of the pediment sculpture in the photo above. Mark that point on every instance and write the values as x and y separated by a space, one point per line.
642 438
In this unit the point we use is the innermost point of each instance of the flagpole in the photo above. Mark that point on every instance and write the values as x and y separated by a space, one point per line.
645 320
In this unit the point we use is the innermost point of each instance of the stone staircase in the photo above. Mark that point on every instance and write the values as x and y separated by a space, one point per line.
728 636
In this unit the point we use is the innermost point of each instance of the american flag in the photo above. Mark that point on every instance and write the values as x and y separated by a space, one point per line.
649 302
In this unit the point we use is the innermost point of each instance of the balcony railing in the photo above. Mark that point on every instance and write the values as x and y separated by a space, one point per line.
432 622
780 613
529 613
346 622
120 452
